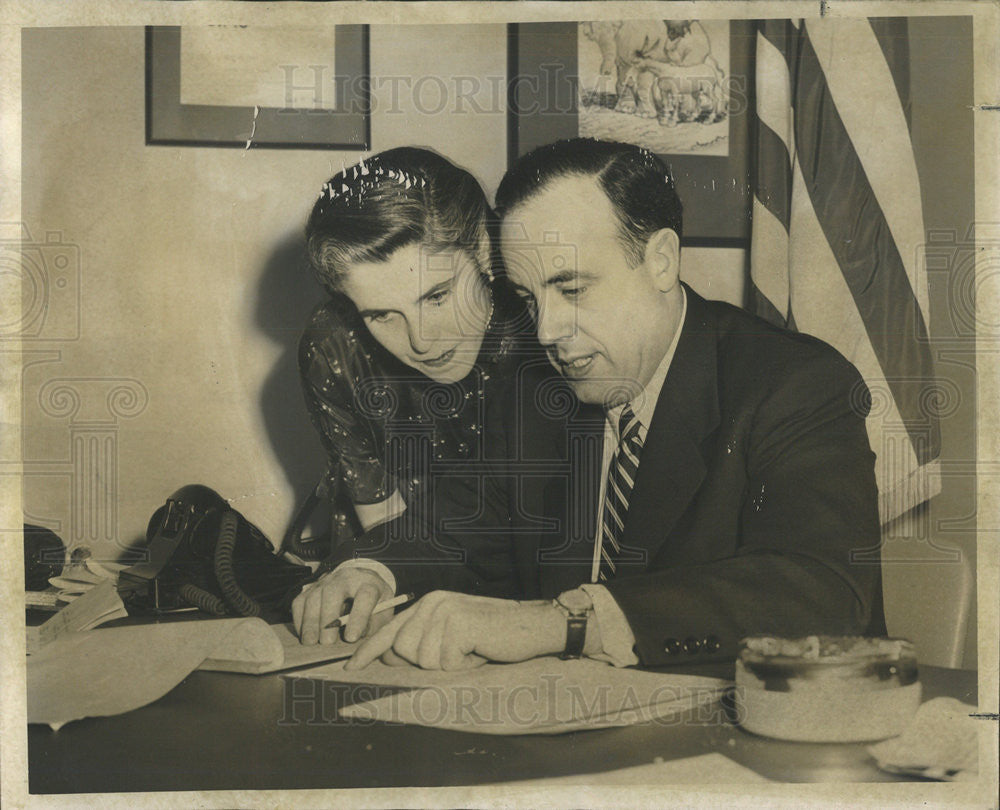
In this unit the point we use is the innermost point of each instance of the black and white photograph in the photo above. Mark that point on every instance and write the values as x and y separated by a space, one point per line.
499 405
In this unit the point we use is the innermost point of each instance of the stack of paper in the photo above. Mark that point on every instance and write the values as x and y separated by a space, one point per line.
79 577
98 605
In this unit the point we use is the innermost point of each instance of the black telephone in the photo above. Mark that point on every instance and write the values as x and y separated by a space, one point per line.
202 553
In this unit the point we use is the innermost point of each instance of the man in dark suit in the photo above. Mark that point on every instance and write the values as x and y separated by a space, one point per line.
732 472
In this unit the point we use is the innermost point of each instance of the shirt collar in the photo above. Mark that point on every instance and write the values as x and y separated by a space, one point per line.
645 403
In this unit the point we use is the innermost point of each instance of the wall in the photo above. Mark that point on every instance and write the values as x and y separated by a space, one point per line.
192 293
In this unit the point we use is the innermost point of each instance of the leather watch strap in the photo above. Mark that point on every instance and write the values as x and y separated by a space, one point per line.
577 607
576 635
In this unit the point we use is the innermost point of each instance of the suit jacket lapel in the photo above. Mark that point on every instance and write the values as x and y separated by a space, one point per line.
671 467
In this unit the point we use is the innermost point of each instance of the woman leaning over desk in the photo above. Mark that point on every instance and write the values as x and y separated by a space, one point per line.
397 369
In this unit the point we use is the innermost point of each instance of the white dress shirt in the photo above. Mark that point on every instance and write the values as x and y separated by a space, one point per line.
616 635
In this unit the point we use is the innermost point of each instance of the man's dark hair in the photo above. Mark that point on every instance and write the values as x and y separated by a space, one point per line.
636 181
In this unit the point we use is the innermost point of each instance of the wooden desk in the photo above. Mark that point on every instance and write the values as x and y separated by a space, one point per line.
219 731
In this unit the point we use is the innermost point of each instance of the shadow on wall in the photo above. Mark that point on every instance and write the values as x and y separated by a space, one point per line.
286 295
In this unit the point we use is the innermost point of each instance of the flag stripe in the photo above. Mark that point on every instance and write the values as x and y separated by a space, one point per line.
774 174
769 263
827 306
865 97
893 38
774 107
846 291
761 306
783 35
857 232
774 142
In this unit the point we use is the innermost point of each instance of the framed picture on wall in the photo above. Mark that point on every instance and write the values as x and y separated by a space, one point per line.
258 87
680 88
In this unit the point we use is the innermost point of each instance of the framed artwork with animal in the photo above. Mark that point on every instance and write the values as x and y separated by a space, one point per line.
680 88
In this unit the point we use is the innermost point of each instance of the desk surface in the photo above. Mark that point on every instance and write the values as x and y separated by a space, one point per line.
219 731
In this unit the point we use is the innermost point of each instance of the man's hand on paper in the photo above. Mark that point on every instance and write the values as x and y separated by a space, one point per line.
446 630
325 600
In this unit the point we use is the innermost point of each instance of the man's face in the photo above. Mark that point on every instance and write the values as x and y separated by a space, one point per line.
606 324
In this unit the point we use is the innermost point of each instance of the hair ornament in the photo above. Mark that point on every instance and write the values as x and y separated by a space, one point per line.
347 189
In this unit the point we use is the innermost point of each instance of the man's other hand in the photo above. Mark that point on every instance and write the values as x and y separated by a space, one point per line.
446 630
326 599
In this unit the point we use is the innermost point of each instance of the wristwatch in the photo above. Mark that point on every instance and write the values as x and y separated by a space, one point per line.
577 606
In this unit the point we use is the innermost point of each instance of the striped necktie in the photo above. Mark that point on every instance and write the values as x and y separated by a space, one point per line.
621 479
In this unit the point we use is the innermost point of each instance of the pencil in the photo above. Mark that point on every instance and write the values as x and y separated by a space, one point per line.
388 604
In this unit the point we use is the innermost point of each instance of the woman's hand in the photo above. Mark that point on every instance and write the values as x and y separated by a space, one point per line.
325 599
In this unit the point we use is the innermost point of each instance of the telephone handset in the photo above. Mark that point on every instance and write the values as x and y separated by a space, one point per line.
203 553
343 522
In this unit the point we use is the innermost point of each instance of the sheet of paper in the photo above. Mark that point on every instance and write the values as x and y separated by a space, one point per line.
279 648
706 769
82 579
115 670
300 655
541 696
68 586
98 605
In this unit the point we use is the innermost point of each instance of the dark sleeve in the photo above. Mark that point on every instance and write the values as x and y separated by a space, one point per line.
460 540
810 503
461 544
336 378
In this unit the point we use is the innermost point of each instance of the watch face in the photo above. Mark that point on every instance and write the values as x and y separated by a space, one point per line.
576 601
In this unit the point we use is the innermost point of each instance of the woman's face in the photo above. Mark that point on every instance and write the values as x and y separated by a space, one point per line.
430 309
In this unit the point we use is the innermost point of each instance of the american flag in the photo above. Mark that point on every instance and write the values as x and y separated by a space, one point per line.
838 226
